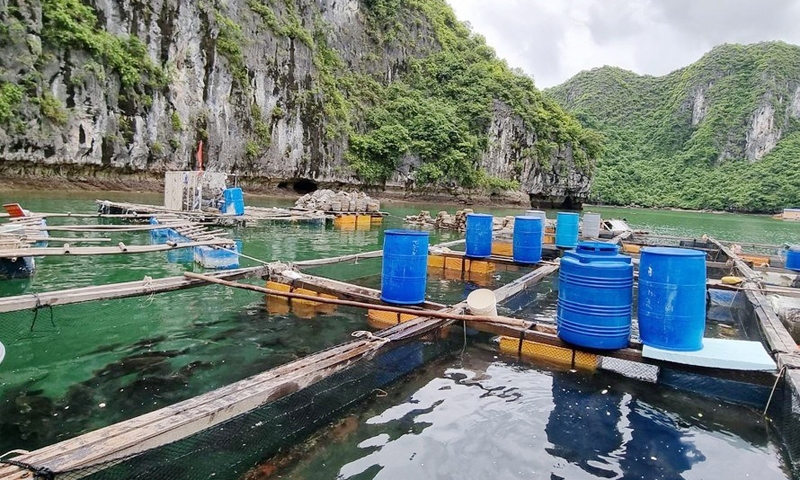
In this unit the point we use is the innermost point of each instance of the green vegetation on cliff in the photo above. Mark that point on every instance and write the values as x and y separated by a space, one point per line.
352 92
701 136
73 24
442 107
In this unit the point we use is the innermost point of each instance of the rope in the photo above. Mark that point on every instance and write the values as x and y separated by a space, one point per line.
38 307
464 345
369 336
14 452
522 337
38 472
147 283
774 386
244 256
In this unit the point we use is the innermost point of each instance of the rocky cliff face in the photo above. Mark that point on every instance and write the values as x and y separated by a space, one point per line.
248 80
722 133
550 182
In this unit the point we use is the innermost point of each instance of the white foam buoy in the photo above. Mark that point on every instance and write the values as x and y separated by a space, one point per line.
482 302
2 352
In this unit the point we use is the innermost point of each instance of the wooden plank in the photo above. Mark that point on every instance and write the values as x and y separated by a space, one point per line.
422 325
185 418
359 256
118 290
357 304
780 342
622 236
340 289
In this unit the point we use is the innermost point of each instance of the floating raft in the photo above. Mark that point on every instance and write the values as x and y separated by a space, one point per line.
122 443
23 238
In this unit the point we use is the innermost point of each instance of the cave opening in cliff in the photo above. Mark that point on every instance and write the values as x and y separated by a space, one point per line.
301 186
569 204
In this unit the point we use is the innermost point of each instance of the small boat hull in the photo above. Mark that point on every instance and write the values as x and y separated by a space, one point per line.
20 267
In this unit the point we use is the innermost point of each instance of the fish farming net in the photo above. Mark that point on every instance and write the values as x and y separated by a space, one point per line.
120 377
784 411
235 447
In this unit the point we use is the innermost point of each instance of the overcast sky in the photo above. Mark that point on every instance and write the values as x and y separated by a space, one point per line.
555 39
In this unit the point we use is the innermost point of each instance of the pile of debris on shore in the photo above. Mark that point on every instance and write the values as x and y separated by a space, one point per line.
330 201
458 221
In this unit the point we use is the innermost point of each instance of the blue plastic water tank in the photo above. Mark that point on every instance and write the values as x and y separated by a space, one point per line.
405 266
595 296
567 229
234 201
672 298
158 235
793 258
527 243
479 235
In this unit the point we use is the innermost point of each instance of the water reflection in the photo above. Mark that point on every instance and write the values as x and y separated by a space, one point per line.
658 447
583 423
586 428
474 417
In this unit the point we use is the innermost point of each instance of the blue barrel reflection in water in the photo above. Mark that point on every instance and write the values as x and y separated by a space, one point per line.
527 243
479 235
576 405
567 229
672 298
404 272
595 296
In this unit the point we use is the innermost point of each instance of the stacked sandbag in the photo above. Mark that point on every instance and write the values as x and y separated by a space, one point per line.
445 220
330 201
422 220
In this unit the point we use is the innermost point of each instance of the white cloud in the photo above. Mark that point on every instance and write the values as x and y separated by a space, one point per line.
555 39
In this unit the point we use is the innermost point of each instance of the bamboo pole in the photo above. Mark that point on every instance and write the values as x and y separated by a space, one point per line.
105 228
350 303
65 239
67 250
95 215
117 290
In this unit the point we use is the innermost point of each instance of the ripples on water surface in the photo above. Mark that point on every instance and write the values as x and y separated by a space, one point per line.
482 417
102 362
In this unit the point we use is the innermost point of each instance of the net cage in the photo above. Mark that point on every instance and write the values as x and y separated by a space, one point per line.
158 368
231 449
234 447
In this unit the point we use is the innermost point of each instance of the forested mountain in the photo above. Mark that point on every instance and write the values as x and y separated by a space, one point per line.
722 133
387 93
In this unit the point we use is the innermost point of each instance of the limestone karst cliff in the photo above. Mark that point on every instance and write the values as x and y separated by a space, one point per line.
279 91
722 133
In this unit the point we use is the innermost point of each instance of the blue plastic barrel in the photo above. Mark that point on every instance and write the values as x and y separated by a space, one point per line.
479 235
567 229
672 298
527 243
405 266
793 258
595 296
234 201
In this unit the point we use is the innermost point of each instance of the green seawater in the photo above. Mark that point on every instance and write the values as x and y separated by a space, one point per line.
80 367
